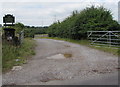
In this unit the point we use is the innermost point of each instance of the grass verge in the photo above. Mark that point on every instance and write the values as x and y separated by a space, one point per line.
13 56
111 50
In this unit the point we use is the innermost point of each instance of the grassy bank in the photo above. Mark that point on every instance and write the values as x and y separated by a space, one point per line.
111 50
12 55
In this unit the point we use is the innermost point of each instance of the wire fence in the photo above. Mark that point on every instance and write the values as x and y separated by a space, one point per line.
109 38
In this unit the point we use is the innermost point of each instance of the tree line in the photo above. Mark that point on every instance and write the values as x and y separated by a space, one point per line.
89 19
29 31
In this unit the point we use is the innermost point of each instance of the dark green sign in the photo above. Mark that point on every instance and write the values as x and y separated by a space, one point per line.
8 18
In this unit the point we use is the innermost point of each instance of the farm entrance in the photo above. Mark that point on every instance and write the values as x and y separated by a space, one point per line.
109 38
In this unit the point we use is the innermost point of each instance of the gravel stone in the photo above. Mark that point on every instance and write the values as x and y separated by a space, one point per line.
85 62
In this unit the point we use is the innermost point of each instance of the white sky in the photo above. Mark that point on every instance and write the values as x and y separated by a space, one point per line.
38 13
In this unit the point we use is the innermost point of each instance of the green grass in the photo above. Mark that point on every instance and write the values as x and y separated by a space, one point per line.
11 53
105 48
41 34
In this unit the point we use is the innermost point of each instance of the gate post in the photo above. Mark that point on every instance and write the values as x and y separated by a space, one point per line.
21 37
110 38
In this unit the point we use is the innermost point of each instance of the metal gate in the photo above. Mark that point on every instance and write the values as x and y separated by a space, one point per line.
108 38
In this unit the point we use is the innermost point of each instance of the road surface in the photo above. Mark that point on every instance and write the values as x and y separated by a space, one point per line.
85 66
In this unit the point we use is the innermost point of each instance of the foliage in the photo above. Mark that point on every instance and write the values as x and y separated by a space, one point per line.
31 31
19 27
11 53
77 25
40 30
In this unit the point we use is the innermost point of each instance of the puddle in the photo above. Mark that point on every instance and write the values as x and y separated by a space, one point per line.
57 56
48 79
67 45
58 41
67 55
60 56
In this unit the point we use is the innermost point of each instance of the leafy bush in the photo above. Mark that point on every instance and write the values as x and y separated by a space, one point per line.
29 32
77 25
10 53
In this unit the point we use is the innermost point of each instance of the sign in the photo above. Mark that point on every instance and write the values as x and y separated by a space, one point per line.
8 18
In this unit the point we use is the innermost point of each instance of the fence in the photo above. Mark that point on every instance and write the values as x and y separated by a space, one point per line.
21 37
110 38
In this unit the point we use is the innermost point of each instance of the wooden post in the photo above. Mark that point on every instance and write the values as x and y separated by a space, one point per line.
109 38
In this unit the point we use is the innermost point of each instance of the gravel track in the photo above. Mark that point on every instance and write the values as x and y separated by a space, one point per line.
85 63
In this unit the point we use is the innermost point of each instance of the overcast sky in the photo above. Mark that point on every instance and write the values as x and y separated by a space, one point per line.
38 13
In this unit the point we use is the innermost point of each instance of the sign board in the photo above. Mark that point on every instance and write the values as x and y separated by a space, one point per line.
8 18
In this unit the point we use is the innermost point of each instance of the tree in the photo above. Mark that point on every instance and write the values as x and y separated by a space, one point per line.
19 27
89 19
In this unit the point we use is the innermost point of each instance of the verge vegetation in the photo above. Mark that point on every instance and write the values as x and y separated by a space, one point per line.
13 56
90 19
74 28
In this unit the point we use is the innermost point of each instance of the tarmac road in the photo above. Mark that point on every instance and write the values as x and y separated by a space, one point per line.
87 66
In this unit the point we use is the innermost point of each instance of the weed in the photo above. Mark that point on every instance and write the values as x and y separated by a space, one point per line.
12 55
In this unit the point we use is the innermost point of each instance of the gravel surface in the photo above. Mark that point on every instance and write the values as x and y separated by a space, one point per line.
85 63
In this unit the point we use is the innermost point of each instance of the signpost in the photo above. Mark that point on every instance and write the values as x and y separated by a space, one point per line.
9 33
8 20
